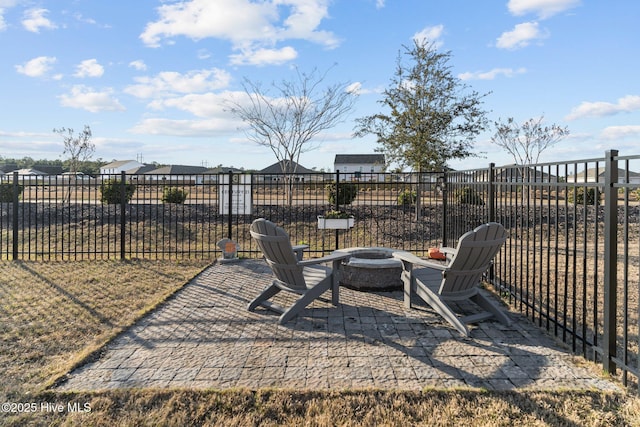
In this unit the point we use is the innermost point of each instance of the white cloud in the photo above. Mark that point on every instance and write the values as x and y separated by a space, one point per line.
264 56
168 83
379 4
521 36
34 20
599 109
619 132
138 65
207 105
251 27
193 128
36 67
89 68
543 8
431 35
87 98
491 74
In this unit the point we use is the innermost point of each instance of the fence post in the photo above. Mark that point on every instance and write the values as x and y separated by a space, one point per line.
337 200
609 332
123 210
491 192
15 216
230 207
443 188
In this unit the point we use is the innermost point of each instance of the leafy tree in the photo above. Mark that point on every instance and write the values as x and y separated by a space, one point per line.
526 141
174 195
6 192
432 117
343 194
111 191
79 148
288 119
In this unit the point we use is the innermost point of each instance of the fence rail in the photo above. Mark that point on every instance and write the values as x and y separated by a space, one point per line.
571 263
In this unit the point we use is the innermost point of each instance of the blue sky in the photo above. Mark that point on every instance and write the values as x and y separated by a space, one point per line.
149 77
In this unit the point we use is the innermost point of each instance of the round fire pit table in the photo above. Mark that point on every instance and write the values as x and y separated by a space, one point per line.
371 269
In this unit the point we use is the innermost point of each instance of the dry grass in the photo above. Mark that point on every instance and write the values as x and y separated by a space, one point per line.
52 315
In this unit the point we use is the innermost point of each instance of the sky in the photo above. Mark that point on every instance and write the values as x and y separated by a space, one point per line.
151 77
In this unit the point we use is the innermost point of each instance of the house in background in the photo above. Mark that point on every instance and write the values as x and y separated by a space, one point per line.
276 172
117 167
182 174
634 177
359 167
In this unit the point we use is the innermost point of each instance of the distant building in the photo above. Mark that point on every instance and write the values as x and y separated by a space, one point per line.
117 167
360 167
597 175
177 174
276 172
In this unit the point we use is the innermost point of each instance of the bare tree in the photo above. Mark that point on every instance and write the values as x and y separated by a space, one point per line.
526 141
288 120
79 148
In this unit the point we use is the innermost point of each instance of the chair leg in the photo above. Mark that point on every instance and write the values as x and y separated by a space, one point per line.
302 302
335 282
488 305
441 308
407 284
269 292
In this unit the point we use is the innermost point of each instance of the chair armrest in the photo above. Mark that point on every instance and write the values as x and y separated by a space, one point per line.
447 250
328 258
297 249
407 257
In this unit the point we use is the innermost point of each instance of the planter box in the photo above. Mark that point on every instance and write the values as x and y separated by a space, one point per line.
335 223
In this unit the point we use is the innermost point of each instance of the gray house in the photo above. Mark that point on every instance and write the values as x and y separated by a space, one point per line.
276 172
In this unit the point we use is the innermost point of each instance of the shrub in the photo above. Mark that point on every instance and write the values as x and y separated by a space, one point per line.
111 188
407 198
174 195
6 192
578 195
468 196
345 194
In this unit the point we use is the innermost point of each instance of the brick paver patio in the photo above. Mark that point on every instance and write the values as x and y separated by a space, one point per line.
203 337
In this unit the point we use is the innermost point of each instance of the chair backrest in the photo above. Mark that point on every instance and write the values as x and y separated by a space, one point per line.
474 253
276 247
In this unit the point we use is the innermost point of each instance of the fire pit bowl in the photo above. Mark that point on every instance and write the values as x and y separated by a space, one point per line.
371 269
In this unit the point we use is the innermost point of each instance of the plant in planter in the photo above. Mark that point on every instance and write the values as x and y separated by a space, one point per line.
335 220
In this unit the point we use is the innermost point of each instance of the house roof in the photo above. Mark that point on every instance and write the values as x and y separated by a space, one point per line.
291 167
140 169
376 159
224 169
117 164
30 172
178 170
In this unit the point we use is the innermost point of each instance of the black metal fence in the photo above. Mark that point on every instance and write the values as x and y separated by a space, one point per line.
571 263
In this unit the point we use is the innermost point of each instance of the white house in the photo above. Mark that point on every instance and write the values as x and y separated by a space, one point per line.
634 177
359 167
116 168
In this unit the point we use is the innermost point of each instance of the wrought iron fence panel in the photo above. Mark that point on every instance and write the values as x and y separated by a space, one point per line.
571 263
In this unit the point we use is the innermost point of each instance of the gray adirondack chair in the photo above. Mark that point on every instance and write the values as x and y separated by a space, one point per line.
307 278
458 278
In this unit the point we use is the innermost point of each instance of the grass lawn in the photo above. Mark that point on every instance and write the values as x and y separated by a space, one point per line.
53 315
